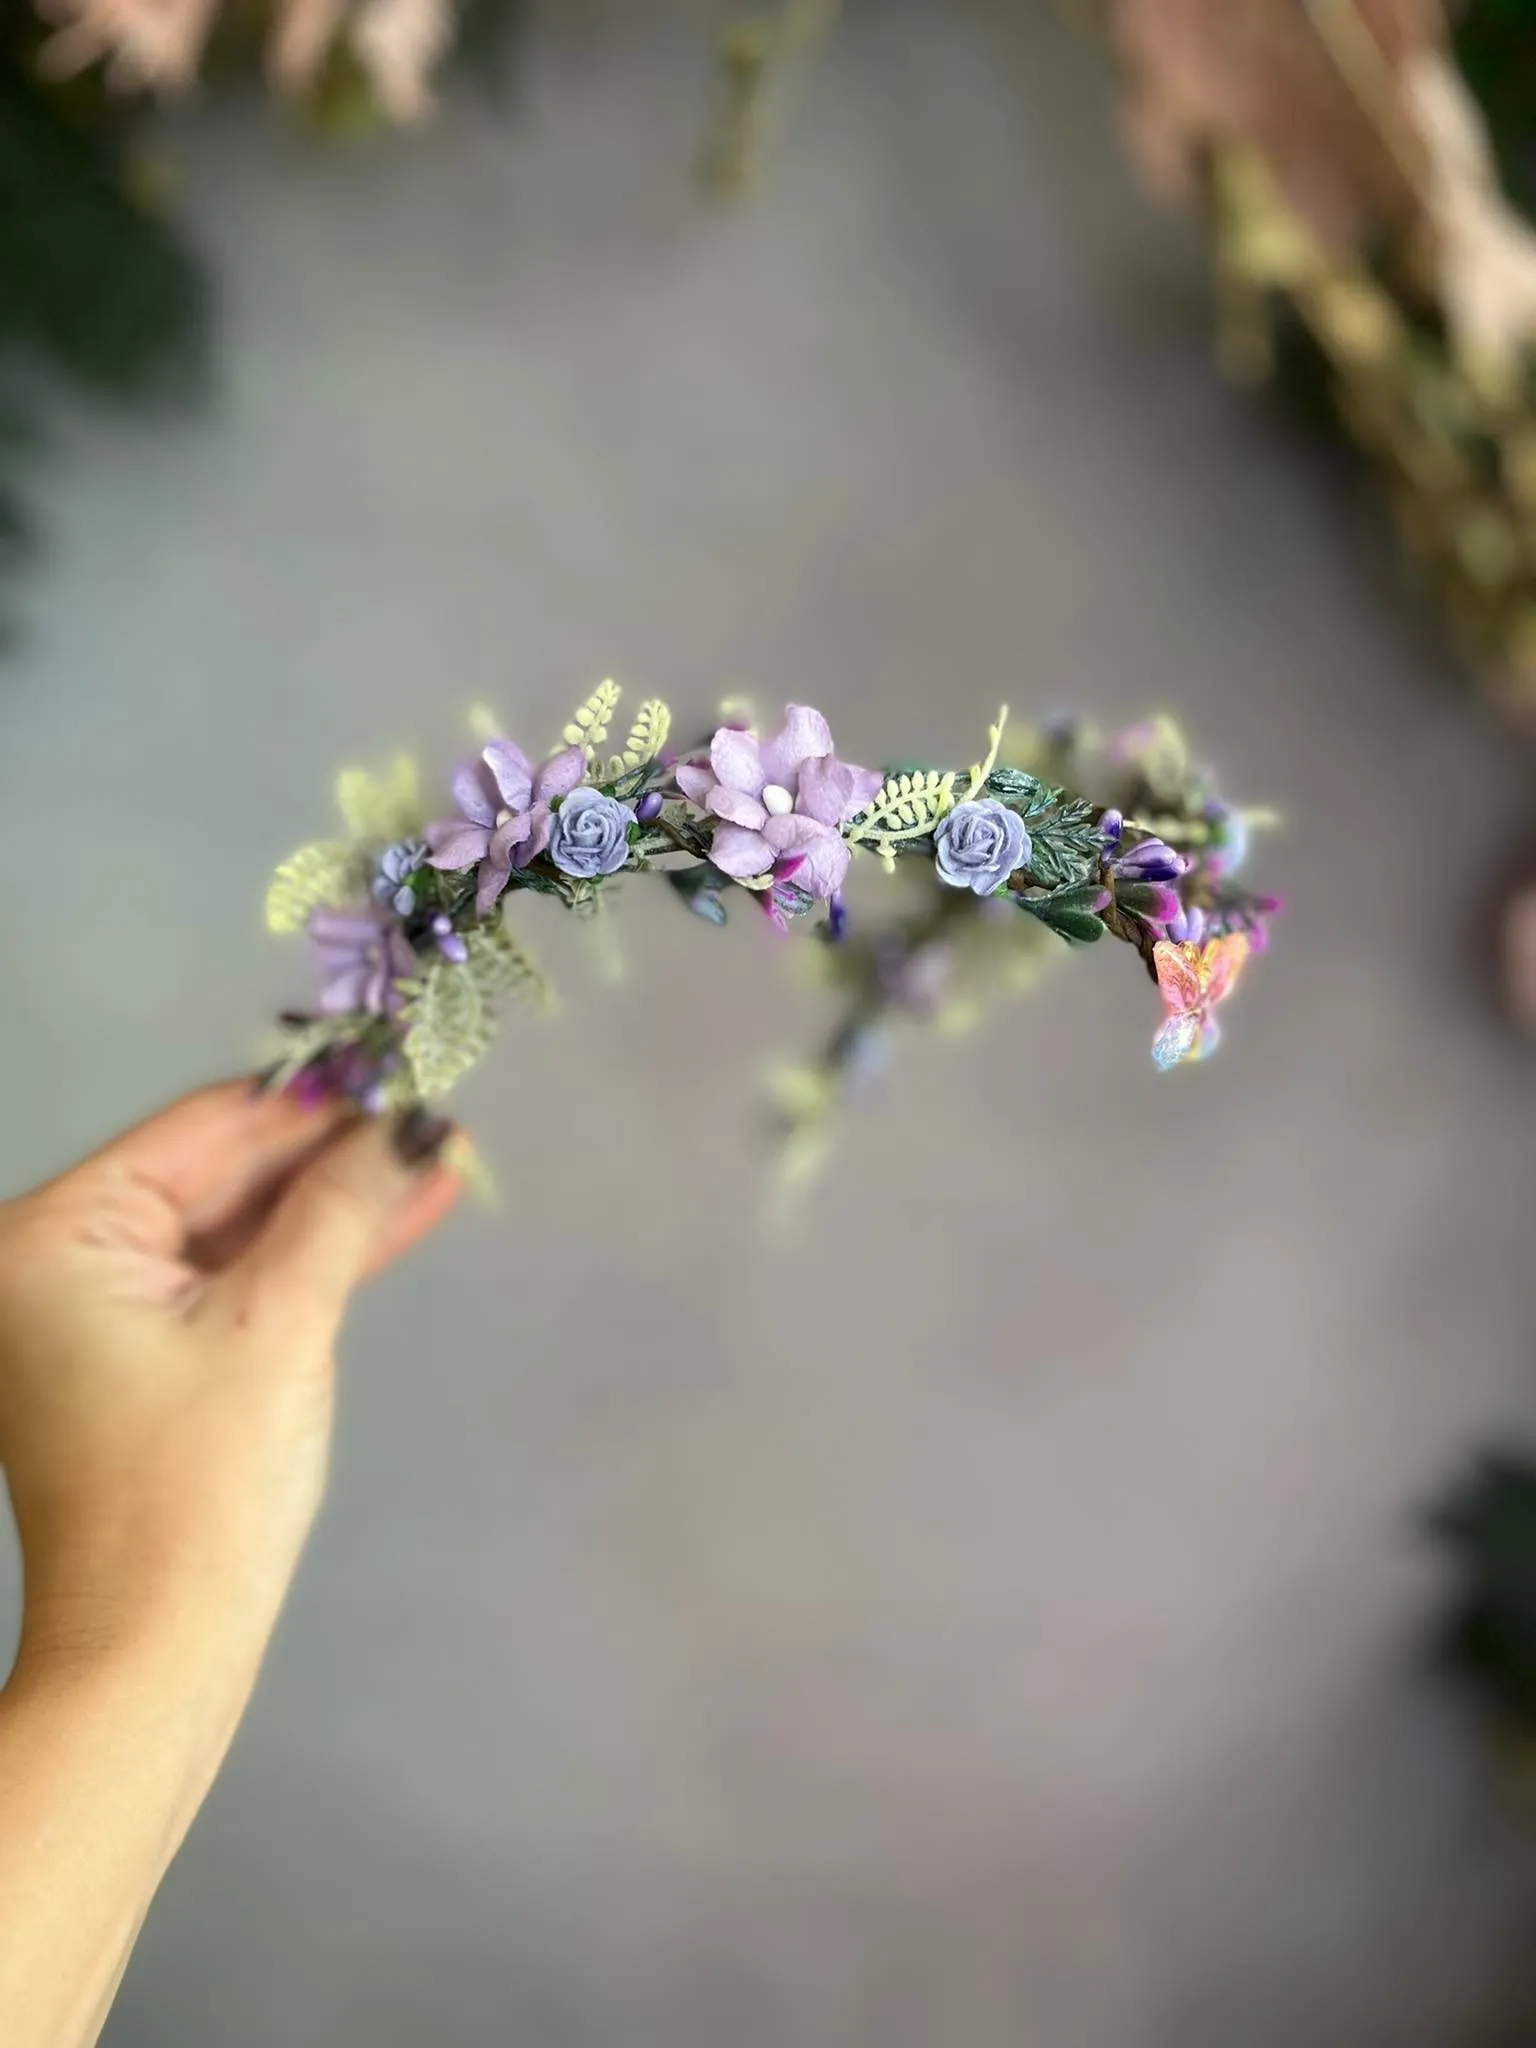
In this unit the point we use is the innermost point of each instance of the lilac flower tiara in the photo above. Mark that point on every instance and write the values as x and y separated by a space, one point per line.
415 953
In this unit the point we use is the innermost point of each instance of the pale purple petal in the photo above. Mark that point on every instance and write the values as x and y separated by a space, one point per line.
737 761
512 776
806 737
694 780
475 793
343 928
867 785
736 851
737 807
826 856
560 775
831 790
496 867
346 992
455 845
532 835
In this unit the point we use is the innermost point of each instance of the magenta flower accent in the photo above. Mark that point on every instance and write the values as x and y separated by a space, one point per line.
787 795
363 960
506 815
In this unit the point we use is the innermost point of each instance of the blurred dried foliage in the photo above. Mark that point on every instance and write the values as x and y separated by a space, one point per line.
97 279
759 56
1367 167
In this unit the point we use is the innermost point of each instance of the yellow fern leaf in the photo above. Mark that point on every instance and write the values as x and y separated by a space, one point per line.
589 727
381 807
320 876
984 768
647 737
906 807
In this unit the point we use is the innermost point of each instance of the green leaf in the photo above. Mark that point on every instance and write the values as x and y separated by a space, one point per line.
503 968
1069 911
451 1017
1022 792
1065 845
321 876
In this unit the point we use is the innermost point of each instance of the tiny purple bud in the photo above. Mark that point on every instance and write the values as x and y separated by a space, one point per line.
837 917
1111 825
649 808
448 941
1151 861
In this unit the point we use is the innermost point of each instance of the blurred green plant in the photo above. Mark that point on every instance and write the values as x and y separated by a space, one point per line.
1488 1522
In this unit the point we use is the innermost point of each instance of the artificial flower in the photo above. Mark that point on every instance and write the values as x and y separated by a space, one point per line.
363 959
392 877
590 835
787 795
978 845
506 819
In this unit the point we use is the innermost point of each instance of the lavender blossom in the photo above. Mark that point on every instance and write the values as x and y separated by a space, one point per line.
363 960
507 819
782 796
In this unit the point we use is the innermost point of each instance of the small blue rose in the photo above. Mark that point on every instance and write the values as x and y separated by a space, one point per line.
392 882
590 836
978 845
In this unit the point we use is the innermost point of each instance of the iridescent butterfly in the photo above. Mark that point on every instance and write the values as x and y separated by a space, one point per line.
1194 979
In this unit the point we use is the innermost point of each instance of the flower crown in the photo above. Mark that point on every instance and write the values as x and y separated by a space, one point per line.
416 955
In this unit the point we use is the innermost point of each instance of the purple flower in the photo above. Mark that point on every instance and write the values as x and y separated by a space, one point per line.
1150 861
978 845
1187 927
363 960
392 877
506 815
786 795
1111 825
590 835
650 807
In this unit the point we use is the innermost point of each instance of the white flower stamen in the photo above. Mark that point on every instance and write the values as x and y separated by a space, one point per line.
503 817
777 801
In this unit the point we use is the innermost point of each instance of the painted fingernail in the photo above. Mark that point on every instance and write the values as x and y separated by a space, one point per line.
419 1136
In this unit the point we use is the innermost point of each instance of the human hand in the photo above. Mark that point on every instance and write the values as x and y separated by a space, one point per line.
168 1311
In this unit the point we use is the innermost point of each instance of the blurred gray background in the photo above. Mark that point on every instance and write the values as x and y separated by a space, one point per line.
992 1620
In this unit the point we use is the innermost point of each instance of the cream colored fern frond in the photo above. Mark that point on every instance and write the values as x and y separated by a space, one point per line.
907 807
647 737
381 807
983 769
589 727
322 876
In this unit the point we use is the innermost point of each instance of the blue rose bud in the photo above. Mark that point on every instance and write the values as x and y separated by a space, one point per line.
978 845
590 836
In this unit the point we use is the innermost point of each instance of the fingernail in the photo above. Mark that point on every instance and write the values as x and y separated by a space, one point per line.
419 1136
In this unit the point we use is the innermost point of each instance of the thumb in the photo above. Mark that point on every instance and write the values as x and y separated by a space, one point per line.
327 1230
